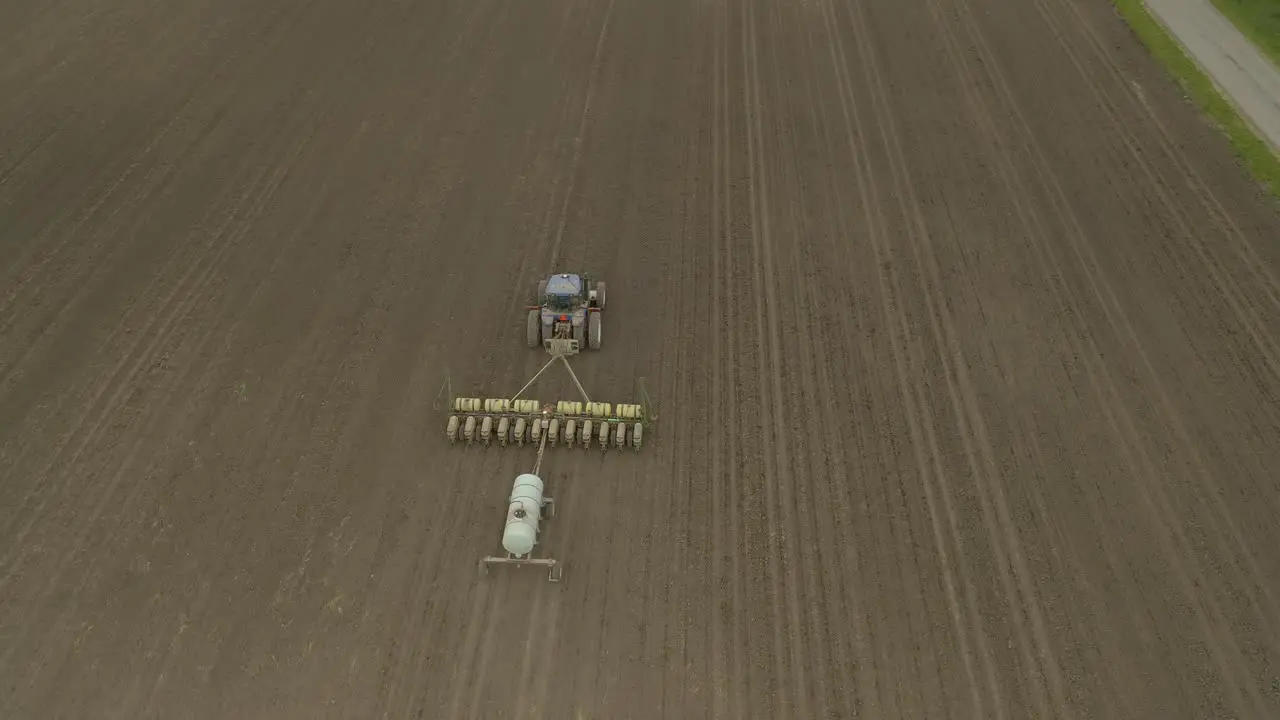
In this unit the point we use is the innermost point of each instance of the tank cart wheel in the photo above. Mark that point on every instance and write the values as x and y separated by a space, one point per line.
534 329
600 295
594 334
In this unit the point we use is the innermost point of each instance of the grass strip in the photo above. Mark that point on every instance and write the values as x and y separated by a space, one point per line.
1259 20
1253 150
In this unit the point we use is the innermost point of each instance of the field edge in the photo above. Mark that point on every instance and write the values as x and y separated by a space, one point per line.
1256 154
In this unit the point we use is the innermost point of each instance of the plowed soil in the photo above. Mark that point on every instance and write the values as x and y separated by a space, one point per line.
963 330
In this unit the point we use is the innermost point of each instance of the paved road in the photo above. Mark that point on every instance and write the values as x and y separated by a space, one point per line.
1248 78
964 329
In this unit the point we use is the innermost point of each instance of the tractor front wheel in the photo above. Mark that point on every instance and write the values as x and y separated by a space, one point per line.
533 330
594 335
600 295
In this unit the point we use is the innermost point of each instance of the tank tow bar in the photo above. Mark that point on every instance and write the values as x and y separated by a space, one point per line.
527 506
527 503
524 511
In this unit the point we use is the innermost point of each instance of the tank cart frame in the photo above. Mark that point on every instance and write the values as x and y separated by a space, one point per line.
546 510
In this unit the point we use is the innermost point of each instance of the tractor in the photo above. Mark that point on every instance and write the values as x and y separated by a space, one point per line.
566 317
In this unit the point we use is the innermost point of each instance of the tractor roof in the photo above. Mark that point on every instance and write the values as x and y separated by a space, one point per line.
564 284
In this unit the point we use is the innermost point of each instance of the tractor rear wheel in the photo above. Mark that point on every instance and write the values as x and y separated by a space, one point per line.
533 329
600 295
593 336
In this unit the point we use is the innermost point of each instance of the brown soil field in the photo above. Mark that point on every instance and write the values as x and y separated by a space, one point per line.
962 326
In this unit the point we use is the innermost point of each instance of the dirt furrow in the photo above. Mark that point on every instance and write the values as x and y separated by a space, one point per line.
1111 299
1263 287
847 336
963 398
779 482
724 669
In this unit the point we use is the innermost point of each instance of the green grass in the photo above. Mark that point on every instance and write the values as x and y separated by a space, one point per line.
1253 151
1259 20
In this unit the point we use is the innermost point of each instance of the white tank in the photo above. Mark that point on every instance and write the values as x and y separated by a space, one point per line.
523 513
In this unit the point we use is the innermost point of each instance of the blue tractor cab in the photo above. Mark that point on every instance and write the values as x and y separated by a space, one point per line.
566 316
563 293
